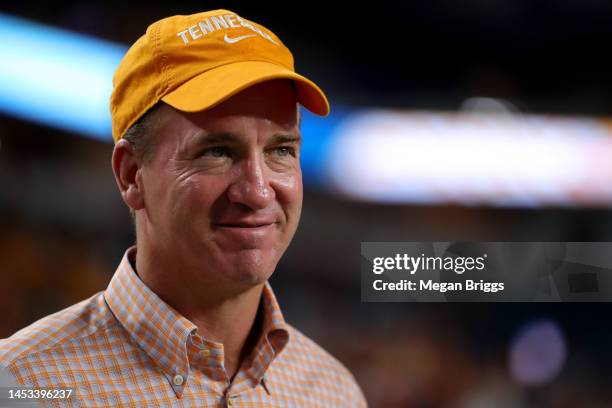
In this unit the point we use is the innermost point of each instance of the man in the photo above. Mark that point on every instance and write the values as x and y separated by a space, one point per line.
206 125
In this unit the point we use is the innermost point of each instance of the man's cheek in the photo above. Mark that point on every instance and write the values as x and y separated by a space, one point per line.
289 186
199 192
289 194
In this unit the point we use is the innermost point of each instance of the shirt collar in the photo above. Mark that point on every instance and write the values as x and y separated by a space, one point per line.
162 332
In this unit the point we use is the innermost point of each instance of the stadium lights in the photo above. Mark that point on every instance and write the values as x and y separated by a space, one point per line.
56 77
471 159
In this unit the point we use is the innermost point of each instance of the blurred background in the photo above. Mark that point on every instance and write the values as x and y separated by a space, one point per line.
471 120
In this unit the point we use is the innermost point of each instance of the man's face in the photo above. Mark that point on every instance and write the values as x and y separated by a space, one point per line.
223 189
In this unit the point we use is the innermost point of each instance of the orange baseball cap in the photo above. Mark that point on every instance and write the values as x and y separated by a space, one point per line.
196 62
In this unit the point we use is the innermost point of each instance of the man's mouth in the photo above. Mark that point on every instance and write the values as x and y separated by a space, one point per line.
252 232
247 224
244 224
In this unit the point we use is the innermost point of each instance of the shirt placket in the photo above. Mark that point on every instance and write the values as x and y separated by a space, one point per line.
207 358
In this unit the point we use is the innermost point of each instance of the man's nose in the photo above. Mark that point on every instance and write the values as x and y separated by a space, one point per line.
252 186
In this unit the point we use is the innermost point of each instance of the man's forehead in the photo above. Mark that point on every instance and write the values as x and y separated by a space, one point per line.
192 129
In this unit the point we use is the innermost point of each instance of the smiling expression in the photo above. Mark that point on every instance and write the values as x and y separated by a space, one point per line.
223 190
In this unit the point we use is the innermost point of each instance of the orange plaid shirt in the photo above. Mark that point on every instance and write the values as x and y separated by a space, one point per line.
125 347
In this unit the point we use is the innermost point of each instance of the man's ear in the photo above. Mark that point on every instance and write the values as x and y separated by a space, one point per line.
127 174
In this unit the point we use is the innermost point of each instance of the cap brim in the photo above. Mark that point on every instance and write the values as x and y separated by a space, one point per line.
216 85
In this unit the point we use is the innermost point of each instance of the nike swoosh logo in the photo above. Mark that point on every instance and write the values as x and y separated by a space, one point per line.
233 40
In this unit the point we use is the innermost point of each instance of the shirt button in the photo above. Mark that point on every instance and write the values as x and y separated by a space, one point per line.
205 352
178 380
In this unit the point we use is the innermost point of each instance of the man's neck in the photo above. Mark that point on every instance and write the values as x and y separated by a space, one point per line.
232 321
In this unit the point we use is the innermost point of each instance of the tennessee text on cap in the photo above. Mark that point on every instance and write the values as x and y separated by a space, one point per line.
196 62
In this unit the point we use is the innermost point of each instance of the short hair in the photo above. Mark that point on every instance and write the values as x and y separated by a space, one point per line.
141 136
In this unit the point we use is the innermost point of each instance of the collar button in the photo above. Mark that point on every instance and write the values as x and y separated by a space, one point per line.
178 379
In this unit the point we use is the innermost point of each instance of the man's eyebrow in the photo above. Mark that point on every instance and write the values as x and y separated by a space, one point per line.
226 137
281 138
218 137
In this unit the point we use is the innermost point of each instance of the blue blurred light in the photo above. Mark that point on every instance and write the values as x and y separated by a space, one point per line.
317 133
56 77
538 353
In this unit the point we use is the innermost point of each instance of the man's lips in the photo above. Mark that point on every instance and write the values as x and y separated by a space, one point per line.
252 232
246 225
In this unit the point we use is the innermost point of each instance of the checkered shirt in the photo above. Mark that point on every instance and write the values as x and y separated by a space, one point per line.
125 347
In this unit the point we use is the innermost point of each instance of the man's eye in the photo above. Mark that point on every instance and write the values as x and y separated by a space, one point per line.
216 152
284 151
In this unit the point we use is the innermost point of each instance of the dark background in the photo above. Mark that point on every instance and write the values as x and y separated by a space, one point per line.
63 226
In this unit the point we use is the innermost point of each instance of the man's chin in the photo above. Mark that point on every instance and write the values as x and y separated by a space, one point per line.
251 266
